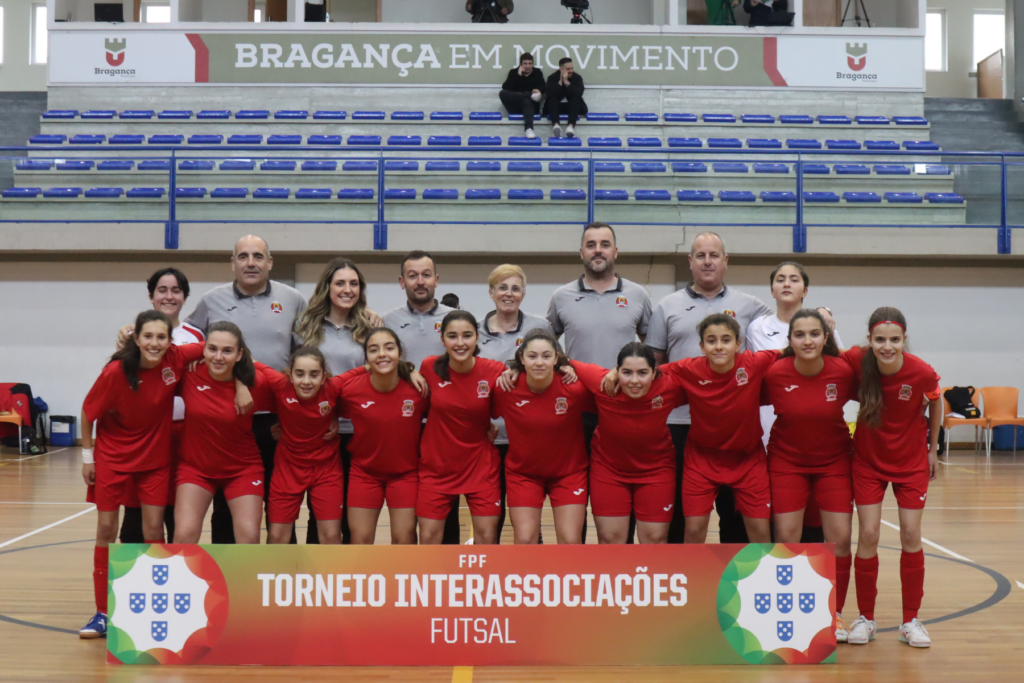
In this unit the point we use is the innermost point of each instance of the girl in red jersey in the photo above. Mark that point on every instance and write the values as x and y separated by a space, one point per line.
893 444
810 450
546 456
633 462
457 456
218 448
132 404
387 411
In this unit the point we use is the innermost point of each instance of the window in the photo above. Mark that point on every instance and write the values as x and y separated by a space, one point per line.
935 41
40 34
258 16
157 14
989 35
1 34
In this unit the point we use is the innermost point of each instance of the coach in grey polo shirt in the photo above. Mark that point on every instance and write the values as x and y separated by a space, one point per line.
418 322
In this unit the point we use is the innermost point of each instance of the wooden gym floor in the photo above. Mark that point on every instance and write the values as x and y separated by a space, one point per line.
974 593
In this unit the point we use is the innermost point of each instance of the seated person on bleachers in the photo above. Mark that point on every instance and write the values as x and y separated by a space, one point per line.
522 91
565 84
490 11
761 14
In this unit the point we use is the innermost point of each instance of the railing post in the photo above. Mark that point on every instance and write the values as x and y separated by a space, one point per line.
1004 243
590 189
380 228
171 229
799 229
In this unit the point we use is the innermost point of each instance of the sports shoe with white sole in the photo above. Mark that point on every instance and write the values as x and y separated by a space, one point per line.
570 132
914 634
842 633
530 134
96 628
556 131
861 632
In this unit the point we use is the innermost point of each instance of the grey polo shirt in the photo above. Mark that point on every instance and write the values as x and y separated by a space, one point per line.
673 328
420 332
342 353
597 326
265 319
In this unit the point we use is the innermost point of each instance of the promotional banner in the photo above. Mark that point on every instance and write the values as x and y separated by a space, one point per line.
452 605
342 58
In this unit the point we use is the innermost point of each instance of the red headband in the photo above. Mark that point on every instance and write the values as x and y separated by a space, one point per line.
888 322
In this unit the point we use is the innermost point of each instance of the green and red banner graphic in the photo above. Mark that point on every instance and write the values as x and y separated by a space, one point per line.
452 605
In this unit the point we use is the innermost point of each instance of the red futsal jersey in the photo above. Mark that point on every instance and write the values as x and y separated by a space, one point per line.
217 441
134 430
724 407
386 439
632 440
810 435
898 449
456 455
545 430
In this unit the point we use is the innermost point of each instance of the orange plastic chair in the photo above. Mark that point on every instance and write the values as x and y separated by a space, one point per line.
15 419
1001 409
976 422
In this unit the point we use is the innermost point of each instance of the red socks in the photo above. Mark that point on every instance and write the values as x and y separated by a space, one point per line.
99 577
912 580
842 580
866 572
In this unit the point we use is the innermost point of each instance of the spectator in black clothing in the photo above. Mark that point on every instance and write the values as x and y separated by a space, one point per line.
451 300
761 14
490 11
565 84
522 92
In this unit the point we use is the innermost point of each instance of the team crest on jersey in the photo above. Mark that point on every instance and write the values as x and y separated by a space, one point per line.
519 342
325 407
407 408
276 307
483 389
906 391
657 402
741 376
730 312
169 377
831 393
437 326
561 406
621 302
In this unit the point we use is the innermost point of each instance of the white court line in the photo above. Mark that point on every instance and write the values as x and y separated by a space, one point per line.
36 456
48 526
934 545
1020 584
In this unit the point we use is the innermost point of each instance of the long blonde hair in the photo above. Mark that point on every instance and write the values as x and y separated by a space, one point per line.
310 325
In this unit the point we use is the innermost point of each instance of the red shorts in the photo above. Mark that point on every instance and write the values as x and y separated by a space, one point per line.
524 491
435 505
869 489
370 492
652 501
111 489
792 491
746 474
248 482
131 496
325 484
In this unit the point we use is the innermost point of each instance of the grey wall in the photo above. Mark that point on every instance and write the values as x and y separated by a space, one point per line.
526 11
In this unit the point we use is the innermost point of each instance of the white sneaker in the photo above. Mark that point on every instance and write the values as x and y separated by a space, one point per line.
556 131
914 634
530 134
570 132
861 632
841 632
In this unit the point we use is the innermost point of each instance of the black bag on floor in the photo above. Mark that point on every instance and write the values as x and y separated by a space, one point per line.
959 399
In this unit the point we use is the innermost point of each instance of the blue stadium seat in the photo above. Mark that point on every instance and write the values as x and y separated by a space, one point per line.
368 116
775 197
724 143
87 139
401 115
319 166
484 141
523 141
758 118
851 169
252 114
155 165
271 193
166 139
910 120
291 114
404 140
444 141
936 169
685 142
862 198
188 192
891 169
689 167
136 114
395 193
205 139
323 140
483 194
76 165
771 168
115 165
278 165
565 167
729 167
882 145
356 165
764 143
123 139
565 142
238 165
943 198
314 193
872 120
60 114
34 165
718 118
446 116
529 195
695 196
821 197
644 116
680 118
447 166
903 198
644 142
920 146
287 140
62 192
22 192
611 195
146 193
568 195
483 166
47 139
98 114
229 193
175 114
245 139
842 144
817 169
604 142
609 167
196 165
796 119
834 120
330 115
372 140
601 116
736 196
647 167
361 193
652 195
214 114
396 165
524 167
441 194
104 192
485 116
801 143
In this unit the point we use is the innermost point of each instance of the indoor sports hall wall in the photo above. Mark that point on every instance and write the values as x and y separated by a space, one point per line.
61 319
